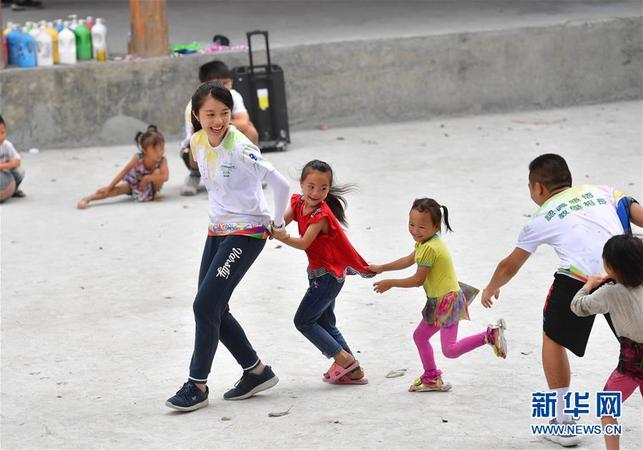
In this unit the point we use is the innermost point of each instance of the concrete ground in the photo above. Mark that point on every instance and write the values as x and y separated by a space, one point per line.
316 21
97 326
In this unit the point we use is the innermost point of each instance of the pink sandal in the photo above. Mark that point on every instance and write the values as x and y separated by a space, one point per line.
348 380
335 372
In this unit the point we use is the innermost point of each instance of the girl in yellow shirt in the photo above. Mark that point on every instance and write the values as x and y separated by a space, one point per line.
447 299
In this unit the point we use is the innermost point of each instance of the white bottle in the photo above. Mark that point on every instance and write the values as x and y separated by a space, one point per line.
44 48
33 28
99 40
67 45
74 21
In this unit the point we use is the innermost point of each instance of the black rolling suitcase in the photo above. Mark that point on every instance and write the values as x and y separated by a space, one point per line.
264 92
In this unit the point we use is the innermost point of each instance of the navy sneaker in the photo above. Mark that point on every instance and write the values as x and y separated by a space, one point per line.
188 398
250 384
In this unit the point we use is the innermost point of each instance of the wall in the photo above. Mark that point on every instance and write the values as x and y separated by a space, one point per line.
349 83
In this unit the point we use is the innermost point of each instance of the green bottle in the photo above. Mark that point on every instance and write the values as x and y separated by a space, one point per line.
83 41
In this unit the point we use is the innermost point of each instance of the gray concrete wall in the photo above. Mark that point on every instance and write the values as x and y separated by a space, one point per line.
349 83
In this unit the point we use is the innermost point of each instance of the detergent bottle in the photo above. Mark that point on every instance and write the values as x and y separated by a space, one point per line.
44 48
99 40
32 29
26 50
13 39
67 45
54 41
5 46
83 41
73 22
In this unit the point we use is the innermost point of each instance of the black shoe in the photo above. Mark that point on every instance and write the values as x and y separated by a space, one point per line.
250 384
19 194
189 398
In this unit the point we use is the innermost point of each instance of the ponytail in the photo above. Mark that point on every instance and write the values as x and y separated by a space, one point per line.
445 217
337 203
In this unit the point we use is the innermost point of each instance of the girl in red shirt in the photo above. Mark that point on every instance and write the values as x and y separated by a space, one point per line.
319 213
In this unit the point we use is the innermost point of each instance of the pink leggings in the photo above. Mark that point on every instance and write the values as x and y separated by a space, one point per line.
622 382
451 347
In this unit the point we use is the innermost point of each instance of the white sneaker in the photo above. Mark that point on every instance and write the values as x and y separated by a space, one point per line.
190 185
564 440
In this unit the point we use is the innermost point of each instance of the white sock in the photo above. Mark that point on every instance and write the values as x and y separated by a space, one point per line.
560 404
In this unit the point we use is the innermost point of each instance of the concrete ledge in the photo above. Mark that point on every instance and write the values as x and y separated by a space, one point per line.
351 83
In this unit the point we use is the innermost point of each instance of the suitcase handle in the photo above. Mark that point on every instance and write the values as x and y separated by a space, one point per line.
249 34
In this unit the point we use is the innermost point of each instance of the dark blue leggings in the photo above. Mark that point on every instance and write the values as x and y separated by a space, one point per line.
225 261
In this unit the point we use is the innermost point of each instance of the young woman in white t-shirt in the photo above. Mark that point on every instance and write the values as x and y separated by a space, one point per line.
232 169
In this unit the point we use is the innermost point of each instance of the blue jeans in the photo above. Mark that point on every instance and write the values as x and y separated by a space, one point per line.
225 261
315 317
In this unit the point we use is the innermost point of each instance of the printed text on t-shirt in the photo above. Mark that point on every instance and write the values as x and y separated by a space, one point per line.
575 204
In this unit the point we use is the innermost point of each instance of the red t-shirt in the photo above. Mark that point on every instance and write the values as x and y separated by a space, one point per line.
328 253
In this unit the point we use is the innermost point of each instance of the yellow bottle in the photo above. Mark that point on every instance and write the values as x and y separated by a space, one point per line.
54 38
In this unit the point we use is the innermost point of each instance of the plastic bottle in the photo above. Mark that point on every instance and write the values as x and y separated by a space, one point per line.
59 25
54 41
32 29
74 21
5 51
6 31
44 48
89 22
5 45
26 50
13 39
99 40
67 45
83 41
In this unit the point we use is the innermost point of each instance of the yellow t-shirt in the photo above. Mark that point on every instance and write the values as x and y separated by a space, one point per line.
441 278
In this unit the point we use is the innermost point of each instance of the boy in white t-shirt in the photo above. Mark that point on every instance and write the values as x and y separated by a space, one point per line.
218 72
11 174
576 222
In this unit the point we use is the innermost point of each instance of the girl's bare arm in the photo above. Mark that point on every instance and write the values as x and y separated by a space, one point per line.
398 264
303 242
129 166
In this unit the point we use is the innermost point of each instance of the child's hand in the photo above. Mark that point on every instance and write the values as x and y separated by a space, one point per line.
280 235
594 282
145 181
375 268
382 286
